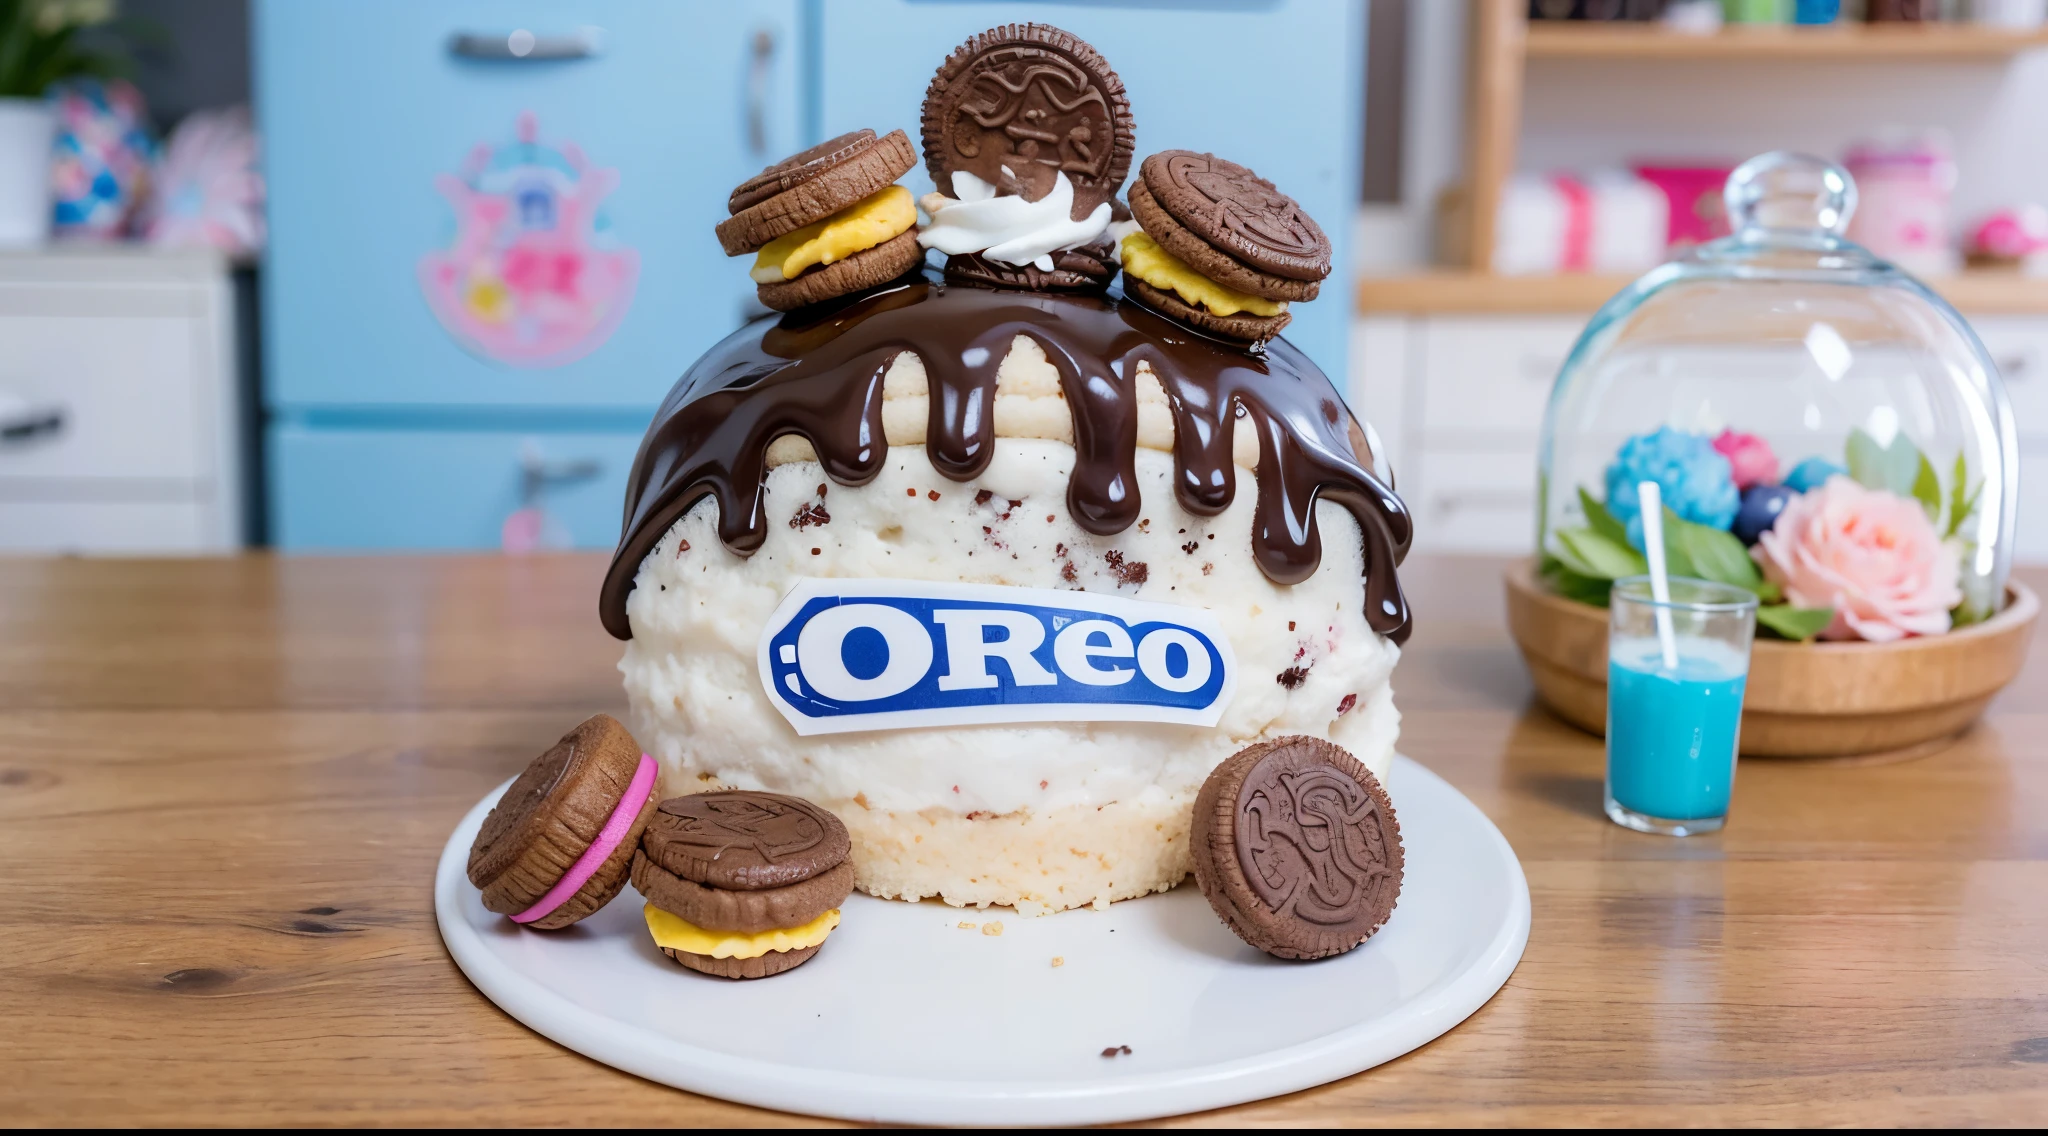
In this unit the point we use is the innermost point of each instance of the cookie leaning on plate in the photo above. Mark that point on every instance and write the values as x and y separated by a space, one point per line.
742 884
1295 845
558 844
1221 248
827 221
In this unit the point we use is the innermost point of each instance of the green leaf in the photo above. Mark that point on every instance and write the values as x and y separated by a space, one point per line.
1718 556
1601 520
1961 502
1795 623
1677 558
1894 468
1589 553
1572 586
1865 459
1927 489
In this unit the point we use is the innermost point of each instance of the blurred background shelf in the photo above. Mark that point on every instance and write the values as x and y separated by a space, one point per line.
1453 290
1843 41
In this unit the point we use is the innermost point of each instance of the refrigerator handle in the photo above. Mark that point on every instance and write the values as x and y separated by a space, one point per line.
522 46
757 91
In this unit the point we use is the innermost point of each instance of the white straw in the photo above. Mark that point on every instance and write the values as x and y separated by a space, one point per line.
1650 496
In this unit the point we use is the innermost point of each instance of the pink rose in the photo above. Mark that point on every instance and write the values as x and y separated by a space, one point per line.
1873 556
1749 456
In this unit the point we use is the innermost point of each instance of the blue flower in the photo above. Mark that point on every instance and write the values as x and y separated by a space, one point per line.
1696 480
1811 474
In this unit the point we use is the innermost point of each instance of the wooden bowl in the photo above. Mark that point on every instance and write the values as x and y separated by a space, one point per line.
1803 699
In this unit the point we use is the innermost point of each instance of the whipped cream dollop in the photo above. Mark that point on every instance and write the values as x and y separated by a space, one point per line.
1007 229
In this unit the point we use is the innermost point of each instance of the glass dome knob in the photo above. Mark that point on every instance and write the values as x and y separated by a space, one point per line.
1784 191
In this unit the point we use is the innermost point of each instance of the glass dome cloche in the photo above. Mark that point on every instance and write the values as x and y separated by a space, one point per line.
1825 431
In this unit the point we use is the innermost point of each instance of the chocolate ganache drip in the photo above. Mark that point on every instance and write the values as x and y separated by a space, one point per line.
818 373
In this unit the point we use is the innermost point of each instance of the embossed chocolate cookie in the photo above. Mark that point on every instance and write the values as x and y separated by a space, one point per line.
1089 268
1237 212
754 877
1242 327
1018 105
1207 259
760 966
743 840
558 844
1296 847
864 269
812 186
766 909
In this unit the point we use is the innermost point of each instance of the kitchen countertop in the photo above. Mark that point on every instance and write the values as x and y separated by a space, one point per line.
224 785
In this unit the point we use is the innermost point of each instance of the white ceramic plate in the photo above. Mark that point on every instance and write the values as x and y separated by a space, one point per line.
905 1017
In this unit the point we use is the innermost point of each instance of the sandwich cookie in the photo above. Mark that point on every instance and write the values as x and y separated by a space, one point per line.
828 221
742 884
1296 847
558 844
1220 248
1028 134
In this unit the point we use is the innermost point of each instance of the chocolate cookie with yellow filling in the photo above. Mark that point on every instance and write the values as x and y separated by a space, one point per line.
1221 248
827 222
742 884
1238 213
811 186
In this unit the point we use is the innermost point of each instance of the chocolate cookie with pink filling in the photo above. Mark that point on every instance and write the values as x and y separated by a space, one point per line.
559 843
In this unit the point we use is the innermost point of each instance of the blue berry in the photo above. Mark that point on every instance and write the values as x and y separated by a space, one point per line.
1761 505
1811 474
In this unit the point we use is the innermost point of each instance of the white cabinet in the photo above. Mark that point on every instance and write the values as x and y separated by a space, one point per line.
118 420
1459 401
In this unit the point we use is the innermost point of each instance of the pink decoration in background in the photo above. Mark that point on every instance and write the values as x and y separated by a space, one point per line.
1871 555
1902 211
2011 234
209 186
1749 458
1697 215
531 278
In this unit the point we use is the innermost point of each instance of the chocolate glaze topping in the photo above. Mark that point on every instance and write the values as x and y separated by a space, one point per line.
818 373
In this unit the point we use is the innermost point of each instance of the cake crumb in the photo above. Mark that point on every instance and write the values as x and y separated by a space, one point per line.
1115 1050
1290 625
992 928
983 497
910 492
682 546
1059 960
966 926
1345 706
1292 677
932 493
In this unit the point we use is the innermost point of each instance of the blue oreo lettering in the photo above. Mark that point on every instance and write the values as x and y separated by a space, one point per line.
846 655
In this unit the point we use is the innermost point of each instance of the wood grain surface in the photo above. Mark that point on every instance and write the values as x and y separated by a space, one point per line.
224 784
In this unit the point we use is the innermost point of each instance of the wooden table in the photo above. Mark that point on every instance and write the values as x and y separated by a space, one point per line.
224 784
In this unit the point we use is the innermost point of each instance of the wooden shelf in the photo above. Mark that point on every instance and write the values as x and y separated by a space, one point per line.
1848 41
1454 292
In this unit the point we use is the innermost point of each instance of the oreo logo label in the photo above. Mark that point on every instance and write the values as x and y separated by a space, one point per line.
846 655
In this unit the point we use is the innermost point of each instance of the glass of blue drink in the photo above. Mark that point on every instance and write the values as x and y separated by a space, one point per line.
1675 673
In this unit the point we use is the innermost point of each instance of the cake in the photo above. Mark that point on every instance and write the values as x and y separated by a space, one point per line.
996 560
